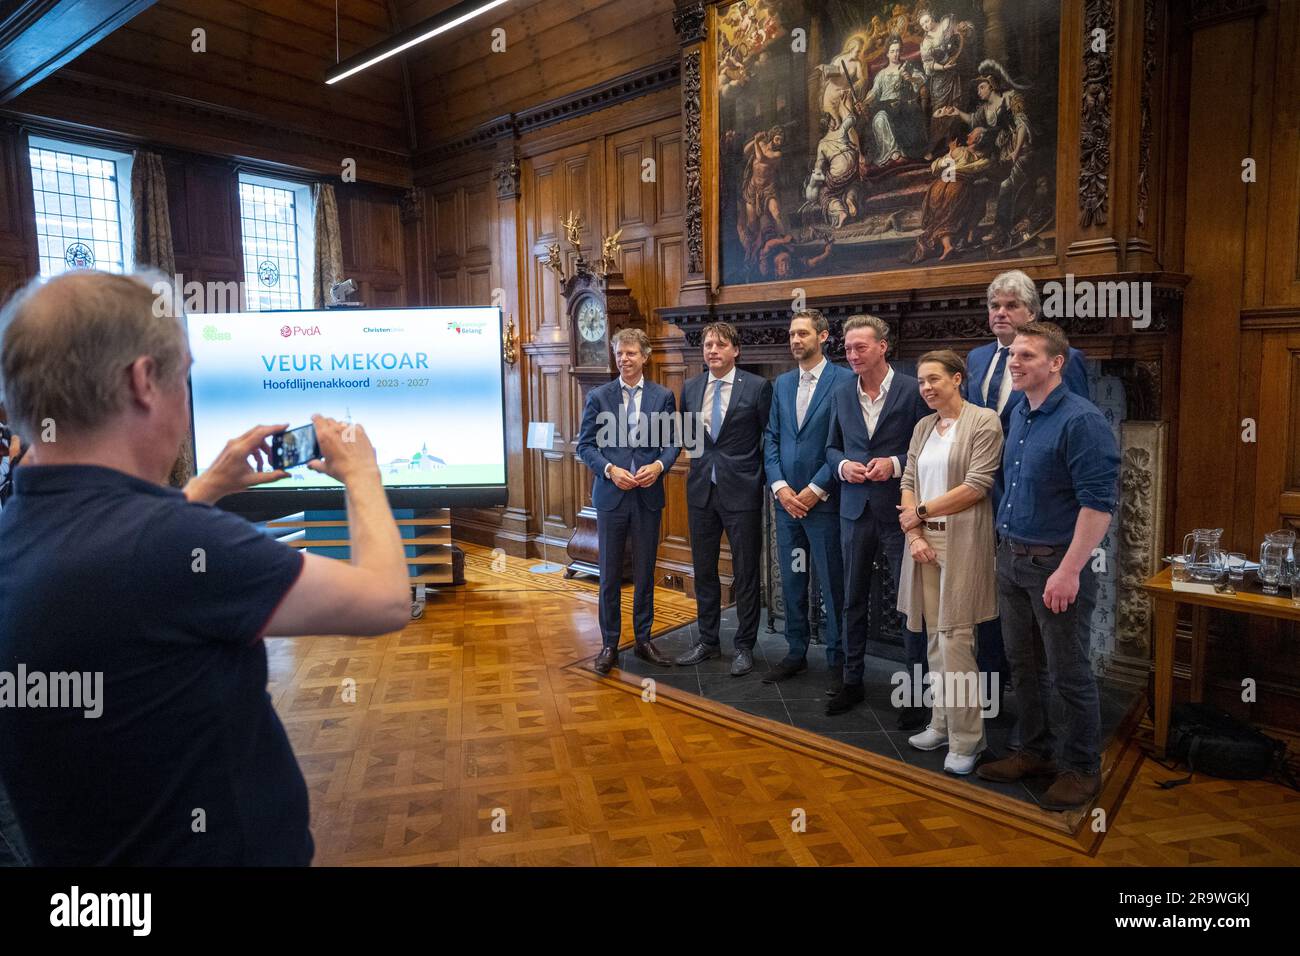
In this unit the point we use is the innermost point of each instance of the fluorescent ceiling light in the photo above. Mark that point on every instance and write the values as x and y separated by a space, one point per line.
449 19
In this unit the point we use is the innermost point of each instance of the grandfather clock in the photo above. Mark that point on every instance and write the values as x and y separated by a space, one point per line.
598 306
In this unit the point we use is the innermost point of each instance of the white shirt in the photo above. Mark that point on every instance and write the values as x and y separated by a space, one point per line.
816 372
635 407
1004 392
727 381
871 414
932 465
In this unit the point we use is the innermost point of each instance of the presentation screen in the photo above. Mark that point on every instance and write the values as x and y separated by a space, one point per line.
427 385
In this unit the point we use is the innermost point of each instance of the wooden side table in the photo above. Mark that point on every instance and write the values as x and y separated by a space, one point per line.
1166 602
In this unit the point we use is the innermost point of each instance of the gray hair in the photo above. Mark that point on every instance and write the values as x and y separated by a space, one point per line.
67 342
1018 284
878 326
623 336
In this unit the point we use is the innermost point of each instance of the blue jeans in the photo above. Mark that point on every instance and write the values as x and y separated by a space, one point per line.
1065 640
802 543
13 851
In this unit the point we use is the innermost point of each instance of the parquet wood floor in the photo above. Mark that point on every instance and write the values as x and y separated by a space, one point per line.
468 738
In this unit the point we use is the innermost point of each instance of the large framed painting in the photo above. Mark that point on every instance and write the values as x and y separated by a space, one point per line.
865 136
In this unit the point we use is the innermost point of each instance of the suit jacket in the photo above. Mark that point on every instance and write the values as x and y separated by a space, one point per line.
847 439
600 442
1075 375
797 455
738 449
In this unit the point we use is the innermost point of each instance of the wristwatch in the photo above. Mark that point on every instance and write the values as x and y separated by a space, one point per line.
921 511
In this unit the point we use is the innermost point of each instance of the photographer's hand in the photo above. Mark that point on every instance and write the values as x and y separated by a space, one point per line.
345 449
239 466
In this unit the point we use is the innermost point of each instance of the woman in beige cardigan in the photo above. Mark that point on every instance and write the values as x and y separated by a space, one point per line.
949 576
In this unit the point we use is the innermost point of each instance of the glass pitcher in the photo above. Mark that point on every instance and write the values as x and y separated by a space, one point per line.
1272 562
1203 554
1283 539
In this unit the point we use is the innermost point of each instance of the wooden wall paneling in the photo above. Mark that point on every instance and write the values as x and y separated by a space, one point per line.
1241 533
473 252
570 44
1214 256
650 211
203 204
1281 261
373 244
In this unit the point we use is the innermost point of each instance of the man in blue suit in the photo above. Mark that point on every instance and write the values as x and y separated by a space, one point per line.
628 439
872 420
1013 302
807 495
724 492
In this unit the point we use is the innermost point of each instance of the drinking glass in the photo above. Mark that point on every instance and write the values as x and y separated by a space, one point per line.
1270 568
1178 568
1236 567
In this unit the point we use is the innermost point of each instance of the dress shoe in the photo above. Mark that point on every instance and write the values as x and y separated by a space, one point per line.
929 739
605 659
700 652
743 662
843 702
913 718
960 764
1070 790
837 681
646 651
1017 766
784 671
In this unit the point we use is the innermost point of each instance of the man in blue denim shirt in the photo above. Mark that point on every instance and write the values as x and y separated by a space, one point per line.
1061 474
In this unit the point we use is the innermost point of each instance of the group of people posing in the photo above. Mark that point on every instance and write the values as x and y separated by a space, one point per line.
987 483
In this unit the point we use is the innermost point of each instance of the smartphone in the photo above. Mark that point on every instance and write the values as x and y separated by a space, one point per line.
294 447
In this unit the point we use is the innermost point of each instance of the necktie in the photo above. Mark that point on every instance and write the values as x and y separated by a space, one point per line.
995 383
715 422
632 433
801 401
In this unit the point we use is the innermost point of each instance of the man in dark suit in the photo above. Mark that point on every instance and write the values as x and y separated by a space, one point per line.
724 492
871 427
629 441
807 495
1013 303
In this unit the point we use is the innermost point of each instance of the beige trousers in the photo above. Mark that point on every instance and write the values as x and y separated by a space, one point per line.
954 674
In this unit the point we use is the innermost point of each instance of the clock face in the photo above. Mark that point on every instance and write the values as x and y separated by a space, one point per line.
591 320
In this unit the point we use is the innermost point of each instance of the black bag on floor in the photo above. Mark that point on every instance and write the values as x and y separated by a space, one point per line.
1212 742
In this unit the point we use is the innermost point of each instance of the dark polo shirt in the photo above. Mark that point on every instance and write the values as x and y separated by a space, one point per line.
188 763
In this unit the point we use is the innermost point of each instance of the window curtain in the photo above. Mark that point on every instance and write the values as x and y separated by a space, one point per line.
152 245
329 245
153 226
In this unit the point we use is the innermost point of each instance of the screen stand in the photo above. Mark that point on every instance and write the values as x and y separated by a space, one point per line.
546 567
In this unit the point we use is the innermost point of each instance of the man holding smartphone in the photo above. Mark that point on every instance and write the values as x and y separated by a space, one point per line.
108 571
